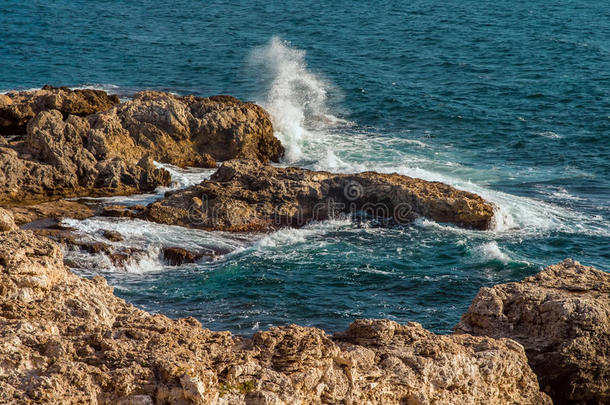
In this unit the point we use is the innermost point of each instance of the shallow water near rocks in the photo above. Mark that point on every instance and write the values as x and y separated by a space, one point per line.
510 101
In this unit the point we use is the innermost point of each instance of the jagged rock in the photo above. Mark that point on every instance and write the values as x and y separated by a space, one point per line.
7 223
562 318
65 339
245 195
83 142
175 256
184 131
18 108
53 161
112 236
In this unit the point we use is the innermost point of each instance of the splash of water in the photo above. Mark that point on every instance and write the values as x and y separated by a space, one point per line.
296 97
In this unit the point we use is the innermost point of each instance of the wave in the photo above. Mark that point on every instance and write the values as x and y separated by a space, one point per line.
149 238
296 98
314 138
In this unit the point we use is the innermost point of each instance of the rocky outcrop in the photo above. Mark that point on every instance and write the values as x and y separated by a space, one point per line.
175 256
54 161
18 108
184 131
246 195
7 222
83 142
65 339
562 318
48 214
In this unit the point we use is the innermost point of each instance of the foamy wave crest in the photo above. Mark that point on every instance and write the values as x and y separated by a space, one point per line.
296 97
291 236
147 239
490 251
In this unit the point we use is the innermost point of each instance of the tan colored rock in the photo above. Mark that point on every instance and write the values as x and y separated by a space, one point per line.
184 131
65 339
53 162
18 108
7 223
244 195
562 318
49 212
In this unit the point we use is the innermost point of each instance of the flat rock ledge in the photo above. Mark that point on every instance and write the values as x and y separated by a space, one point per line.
246 195
66 339
562 318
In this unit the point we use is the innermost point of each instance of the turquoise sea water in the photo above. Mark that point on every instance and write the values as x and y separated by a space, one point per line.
509 100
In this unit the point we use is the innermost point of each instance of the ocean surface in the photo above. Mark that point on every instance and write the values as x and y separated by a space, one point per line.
510 100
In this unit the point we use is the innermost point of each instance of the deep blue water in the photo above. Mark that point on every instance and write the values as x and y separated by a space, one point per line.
510 100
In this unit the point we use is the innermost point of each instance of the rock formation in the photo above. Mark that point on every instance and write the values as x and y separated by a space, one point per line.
53 160
18 108
82 142
562 318
184 131
246 195
65 339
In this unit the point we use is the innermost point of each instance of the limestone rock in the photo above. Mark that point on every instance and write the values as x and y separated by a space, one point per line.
48 214
52 161
7 223
562 318
18 108
245 195
65 339
112 236
175 256
184 131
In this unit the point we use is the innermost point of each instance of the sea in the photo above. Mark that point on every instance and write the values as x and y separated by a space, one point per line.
507 99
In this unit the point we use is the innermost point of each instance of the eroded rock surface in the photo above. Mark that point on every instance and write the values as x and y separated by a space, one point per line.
562 318
54 161
83 142
185 131
246 195
65 339
18 108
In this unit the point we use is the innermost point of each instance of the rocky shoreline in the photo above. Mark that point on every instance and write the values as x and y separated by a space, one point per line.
67 339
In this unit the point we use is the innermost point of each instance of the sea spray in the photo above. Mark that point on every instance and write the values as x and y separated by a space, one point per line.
296 98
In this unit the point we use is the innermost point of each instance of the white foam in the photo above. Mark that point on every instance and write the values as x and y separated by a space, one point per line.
491 251
181 178
293 236
296 97
185 177
549 134
150 238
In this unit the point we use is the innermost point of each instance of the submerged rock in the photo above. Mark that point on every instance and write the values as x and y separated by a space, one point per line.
66 339
18 108
112 236
175 256
562 318
245 195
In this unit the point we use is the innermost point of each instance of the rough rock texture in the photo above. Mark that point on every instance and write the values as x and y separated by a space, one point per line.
246 195
65 339
562 318
7 222
184 131
53 160
49 213
18 108
175 256
83 142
